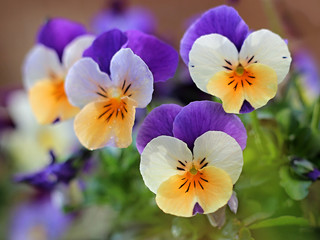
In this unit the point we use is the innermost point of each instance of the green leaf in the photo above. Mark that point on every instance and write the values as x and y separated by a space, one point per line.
281 221
297 189
245 234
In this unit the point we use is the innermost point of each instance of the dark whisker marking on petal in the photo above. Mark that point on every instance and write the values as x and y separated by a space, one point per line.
230 82
124 103
108 118
124 83
251 59
184 183
228 62
117 112
231 77
241 82
235 87
194 184
102 89
183 178
248 82
202 160
127 88
255 61
192 65
179 168
129 95
107 105
284 57
188 187
200 185
104 113
226 67
206 164
101 94
251 76
125 108
204 179
122 116
181 163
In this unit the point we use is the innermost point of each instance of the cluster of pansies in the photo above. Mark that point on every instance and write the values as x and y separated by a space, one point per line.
190 156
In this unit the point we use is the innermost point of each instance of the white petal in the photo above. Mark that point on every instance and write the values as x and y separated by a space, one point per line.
159 160
74 50
125 65
41 63
209 54
267 48
220 150
83 81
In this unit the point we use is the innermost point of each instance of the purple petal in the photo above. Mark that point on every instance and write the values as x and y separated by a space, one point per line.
197 209
314 175
161 58
199 117
126 19
104 47
56 33
222 20
246 107
159 122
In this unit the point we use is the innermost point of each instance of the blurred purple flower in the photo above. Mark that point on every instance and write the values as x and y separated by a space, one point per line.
38 218
55 173
119 16
314 174
308 70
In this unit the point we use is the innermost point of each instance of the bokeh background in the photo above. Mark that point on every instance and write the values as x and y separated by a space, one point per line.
110 201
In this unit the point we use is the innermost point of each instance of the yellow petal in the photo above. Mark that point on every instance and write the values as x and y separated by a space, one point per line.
177 196
232 95
49 102
213 189
106 122
263 86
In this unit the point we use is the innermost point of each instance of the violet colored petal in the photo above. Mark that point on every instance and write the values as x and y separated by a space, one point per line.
246 107
314 175
197 209
161 58
104 47
222 20
158 122
199 117
56 33
55 173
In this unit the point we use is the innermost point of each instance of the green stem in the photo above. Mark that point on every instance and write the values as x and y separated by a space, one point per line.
274 20
316 117
256 128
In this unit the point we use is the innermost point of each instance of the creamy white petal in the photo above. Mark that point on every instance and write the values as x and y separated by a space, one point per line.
159 160
221 151
84 81
132 74
267 48
41 63
210 54
74 50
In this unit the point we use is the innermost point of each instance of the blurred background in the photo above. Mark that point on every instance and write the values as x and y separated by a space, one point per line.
104 197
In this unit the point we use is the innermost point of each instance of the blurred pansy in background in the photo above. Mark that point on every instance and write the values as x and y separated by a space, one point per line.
191 167
29 143
115 76
60 43
120 15
225 60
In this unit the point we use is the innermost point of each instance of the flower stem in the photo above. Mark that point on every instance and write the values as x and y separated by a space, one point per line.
316 117
257 129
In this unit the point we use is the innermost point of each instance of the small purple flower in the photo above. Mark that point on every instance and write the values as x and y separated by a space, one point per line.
55 173
38 218
308 72
314 174
191 156
124 18
225 60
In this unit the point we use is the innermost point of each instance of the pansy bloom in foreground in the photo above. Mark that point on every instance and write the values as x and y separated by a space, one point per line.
60 43
243 69
191 156
114 78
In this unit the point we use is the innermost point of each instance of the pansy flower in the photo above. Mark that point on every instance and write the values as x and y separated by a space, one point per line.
60 43
226 60
191 156
114 78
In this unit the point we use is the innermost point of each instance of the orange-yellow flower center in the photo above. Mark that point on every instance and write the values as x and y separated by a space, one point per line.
240 78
